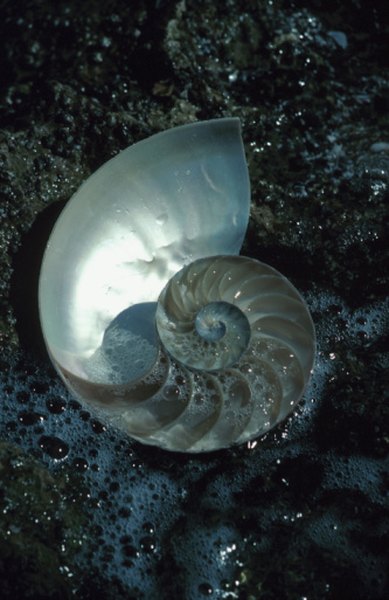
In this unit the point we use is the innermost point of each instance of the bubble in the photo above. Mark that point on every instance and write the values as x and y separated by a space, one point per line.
55 405
162 219
53 447
30 418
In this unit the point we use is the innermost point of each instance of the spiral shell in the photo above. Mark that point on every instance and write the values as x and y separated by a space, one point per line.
148 314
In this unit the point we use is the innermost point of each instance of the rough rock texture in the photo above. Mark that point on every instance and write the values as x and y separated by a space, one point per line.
303 512
42 526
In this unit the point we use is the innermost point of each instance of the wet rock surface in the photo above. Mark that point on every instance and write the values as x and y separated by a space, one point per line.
302 512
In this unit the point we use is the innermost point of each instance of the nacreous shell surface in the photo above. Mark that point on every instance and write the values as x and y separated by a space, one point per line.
160 204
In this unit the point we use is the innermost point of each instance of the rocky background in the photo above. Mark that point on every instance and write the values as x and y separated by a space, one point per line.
302 513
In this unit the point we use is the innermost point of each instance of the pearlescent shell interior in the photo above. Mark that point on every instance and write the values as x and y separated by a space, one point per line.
155 207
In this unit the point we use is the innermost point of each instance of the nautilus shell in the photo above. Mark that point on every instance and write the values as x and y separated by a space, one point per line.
149 314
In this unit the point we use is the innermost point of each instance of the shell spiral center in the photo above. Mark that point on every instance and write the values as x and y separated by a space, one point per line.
199 334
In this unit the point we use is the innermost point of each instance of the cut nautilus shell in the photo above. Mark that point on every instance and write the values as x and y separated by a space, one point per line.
149 314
